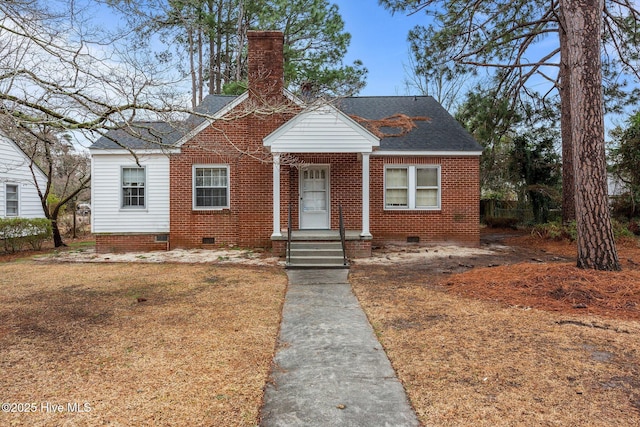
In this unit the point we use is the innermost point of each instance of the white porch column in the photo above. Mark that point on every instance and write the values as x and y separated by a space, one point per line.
276 196
365 196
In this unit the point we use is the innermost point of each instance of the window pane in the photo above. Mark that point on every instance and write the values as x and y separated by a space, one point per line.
396 197
12 200
133 182
211 197
133 177
427 177
211 187
427 198
396 178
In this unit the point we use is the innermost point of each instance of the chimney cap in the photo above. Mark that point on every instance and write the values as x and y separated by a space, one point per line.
264 34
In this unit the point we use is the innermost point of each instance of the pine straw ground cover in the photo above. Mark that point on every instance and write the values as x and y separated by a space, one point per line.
139 344
531 343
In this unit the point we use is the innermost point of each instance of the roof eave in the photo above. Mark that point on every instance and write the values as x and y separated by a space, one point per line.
440 153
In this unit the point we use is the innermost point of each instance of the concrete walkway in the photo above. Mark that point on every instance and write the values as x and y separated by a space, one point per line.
330 370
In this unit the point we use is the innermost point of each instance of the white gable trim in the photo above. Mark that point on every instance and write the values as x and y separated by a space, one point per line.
141 152
207 122
382 153
323 129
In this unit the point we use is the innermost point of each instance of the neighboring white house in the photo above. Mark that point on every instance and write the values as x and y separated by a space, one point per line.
18 193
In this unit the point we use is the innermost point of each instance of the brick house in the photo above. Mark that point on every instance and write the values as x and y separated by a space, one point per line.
398 168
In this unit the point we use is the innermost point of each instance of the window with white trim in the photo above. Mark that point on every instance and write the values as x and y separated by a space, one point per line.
12 200
210 186
412 187
133 187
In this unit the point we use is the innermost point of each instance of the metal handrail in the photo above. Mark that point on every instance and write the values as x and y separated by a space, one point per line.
289 236
342 235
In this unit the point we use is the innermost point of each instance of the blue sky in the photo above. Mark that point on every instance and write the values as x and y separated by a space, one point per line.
380 41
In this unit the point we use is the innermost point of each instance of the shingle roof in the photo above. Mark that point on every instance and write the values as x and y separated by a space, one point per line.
150 135
440 133
141 135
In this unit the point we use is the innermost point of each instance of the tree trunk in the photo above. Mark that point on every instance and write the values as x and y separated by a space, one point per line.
568 199
57 237
240 35
200 67
212 48
219 49
595 240
192 69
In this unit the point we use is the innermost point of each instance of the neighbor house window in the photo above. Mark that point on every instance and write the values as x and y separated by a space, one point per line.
12 201
133 185
412 187
210 187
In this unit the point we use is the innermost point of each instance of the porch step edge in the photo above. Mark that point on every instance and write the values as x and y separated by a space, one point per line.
315 266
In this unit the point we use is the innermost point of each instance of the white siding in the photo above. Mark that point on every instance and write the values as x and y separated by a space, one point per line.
321 131
14 169
108 216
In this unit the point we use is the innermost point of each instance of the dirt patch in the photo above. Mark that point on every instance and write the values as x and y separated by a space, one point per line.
136 344
189 256
516 337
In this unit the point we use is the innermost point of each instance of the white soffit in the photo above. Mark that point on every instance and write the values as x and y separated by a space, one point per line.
324 129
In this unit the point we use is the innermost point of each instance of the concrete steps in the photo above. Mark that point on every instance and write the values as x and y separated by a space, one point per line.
316 254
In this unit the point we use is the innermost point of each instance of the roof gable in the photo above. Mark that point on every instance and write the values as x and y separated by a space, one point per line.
323 129
27 160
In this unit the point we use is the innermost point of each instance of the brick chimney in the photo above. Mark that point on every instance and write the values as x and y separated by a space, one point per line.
266 65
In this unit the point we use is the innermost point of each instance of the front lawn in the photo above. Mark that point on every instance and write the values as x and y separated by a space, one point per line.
518 338
136 344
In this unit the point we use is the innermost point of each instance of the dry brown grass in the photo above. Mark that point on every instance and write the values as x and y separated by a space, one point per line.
141 344
471 351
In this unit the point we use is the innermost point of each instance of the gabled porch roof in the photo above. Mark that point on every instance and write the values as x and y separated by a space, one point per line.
323 129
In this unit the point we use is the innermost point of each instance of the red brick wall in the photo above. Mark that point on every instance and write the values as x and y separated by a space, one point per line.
346 188
108 243
358 248
458 219
248 220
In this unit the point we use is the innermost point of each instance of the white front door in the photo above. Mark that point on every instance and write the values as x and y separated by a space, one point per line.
314 197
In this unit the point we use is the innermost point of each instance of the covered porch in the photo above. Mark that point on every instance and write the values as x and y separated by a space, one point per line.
321 179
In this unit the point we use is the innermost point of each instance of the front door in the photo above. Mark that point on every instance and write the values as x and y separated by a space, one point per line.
314 197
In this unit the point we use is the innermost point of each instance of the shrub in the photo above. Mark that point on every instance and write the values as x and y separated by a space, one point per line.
621 229
15 233
556 231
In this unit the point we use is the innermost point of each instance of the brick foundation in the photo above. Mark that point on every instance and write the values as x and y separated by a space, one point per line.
113 243
358 248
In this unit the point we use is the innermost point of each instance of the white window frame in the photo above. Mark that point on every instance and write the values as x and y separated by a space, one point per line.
122 187
412 179
6 199
194 188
